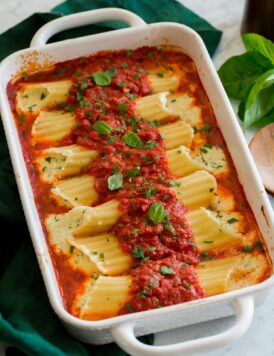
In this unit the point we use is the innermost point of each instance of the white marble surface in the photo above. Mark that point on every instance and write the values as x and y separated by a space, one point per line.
225 15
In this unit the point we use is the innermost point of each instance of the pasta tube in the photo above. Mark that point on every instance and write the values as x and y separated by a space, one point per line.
210 232
153 107
215 275
176 134
75 191
58 162
32 97
105 251
53 125
196 190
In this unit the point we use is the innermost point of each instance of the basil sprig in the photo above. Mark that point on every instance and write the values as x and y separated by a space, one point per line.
259 101
102 127
250 79
132 139
156 213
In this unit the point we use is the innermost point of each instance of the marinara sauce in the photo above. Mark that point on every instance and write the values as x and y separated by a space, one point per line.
164 254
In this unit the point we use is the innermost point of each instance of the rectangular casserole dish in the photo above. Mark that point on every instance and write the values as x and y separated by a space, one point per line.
122 328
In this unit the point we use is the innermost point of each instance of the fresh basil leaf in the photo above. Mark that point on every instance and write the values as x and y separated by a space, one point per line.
269 119
101 79
156 213
238 73
111 72
102 127
254 42
115 181
132 139
260 100
241 108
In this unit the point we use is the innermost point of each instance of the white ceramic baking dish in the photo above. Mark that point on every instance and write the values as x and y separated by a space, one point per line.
123 329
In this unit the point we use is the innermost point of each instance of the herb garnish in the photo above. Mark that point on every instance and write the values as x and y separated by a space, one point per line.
22 118
133 172
115 181
25 75
139 253
156 213
150 192
232 220
101 78
132 139
150 144
206 128
164 270
131 96
248 248
250 79
123 109
173 183
102 127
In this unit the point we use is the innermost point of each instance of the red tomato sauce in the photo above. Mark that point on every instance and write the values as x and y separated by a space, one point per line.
164 253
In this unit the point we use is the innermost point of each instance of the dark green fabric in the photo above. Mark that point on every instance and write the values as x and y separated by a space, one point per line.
26 318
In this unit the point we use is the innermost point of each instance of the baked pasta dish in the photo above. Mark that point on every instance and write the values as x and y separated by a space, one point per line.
135 188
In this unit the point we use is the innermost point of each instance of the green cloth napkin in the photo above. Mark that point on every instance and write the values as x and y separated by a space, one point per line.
26 318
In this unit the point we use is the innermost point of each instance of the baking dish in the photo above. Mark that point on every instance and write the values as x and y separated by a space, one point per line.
121 328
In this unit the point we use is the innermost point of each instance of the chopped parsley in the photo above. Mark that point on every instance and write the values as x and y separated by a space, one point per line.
169 228
123 109
173 183
133 123
155 123
165 197
133 172
164 270
22 118
84 84
150 192
131 96
25 75
205 256
150 144
248 248
259 244
206 128
232 221
139 253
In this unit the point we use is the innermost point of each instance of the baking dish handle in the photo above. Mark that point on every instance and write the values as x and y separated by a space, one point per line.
123 334
82 19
